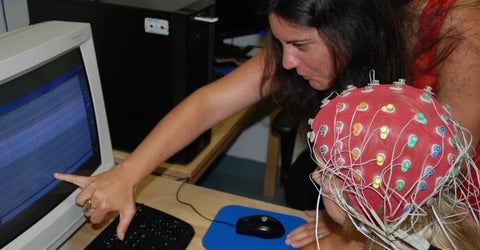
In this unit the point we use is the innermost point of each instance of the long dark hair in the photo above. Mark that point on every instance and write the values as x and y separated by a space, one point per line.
362 35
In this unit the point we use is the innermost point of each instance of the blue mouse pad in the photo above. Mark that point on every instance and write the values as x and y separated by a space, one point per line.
221 236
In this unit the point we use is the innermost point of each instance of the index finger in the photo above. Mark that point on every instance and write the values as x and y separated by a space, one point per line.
125 218
80 181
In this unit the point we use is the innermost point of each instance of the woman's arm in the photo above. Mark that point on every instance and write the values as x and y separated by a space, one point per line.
114 190
202 110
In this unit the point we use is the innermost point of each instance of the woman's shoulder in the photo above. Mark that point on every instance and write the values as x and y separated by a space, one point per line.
465 18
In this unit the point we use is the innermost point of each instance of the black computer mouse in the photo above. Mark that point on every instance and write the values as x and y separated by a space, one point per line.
263 226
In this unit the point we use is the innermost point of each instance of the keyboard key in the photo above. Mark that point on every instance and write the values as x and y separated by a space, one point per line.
149 229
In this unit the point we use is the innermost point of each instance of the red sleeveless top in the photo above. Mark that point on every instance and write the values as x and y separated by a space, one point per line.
423 71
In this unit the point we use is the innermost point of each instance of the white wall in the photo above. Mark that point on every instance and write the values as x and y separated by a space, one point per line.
16 14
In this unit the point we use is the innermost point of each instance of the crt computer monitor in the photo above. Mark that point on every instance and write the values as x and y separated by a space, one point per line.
52 119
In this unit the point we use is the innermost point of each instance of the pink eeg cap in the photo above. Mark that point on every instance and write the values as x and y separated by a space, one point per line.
391 145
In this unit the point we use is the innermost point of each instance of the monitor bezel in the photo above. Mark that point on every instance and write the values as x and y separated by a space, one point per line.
28 49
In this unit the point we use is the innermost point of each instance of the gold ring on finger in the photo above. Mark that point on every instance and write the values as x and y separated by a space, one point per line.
87 205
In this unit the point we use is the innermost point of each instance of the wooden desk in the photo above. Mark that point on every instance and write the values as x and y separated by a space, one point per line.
159 192
223 136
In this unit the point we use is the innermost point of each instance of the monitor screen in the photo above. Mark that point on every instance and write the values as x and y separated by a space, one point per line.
52 119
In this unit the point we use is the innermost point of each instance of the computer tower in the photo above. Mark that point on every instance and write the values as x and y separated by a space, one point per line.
151 54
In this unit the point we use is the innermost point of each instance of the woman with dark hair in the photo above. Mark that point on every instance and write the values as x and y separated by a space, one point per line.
347 40
313 48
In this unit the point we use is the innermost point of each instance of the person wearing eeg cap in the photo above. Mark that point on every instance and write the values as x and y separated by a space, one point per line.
395 166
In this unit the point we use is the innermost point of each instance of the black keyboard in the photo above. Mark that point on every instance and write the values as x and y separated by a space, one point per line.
149 229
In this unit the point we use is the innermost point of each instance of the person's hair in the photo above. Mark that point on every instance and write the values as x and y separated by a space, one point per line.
361 35
461 228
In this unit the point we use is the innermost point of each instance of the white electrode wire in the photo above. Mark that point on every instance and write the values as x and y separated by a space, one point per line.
442 226
317 218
